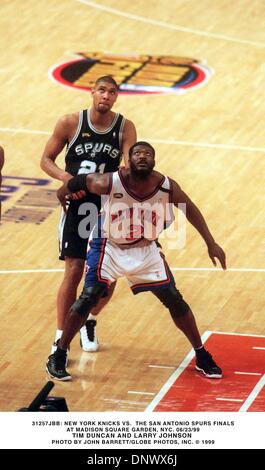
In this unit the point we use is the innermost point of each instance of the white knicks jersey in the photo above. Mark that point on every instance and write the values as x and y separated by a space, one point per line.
128 219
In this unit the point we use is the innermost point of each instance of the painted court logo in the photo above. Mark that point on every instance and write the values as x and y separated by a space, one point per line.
135 74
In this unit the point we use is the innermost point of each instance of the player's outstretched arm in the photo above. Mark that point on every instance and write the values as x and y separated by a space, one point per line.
196 218
91 183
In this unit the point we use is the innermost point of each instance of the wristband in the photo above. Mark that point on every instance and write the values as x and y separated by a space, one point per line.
77 183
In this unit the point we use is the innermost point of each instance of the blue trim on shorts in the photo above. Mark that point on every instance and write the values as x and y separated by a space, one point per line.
94 260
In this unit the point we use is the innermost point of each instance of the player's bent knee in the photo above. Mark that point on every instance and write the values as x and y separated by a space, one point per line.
88 299
173 300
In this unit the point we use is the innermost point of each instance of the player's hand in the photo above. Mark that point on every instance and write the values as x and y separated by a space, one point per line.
215 251
78 195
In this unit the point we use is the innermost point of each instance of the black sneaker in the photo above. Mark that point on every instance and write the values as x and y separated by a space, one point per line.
54 348
56 364
206 365
88 336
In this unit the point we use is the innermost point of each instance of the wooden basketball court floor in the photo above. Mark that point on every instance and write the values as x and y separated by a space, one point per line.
210 139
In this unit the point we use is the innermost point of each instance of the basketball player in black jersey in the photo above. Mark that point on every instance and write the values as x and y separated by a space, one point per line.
141 183
95 140
2 159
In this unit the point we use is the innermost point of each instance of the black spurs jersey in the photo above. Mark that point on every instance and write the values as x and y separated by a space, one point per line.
94 151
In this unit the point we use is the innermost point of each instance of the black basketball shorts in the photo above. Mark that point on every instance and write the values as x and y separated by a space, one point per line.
75 228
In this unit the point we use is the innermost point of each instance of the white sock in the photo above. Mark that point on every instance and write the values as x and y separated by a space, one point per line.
92 317
58 335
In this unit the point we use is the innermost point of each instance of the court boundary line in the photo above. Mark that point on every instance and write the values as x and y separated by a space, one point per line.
243 148
23 130
166 25
231 270
207 145
30 271
237 334
185 363
175 375
253 394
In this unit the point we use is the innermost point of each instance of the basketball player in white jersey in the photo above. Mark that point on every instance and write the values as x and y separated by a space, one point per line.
124 244
96 139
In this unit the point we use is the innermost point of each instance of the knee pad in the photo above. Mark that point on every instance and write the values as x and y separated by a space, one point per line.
173 300
88 299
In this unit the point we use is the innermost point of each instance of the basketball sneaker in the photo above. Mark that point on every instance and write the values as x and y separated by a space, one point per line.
56 365
54 348
206 365
88 336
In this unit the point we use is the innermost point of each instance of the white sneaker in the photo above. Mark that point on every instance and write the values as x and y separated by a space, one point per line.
54 348
88 336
